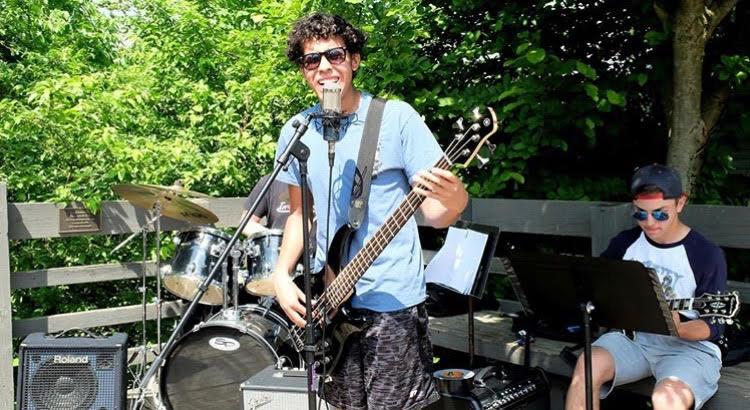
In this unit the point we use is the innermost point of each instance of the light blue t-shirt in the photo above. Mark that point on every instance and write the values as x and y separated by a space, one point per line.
396 279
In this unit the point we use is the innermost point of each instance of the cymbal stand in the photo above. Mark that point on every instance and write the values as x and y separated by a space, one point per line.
143 288
143 350
157 208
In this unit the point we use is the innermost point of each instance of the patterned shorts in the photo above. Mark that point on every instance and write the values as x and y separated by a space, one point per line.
386 367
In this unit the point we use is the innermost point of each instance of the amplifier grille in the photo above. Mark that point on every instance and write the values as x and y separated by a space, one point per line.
57 374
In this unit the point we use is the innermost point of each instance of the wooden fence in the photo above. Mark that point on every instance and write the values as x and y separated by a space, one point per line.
726 225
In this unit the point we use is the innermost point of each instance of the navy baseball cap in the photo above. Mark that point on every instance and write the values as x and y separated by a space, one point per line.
663 177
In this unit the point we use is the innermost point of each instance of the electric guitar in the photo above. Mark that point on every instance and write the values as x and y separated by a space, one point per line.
720 307
463 148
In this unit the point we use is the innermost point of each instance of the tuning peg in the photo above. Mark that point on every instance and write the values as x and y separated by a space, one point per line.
482 161
491 147
459 125
729 321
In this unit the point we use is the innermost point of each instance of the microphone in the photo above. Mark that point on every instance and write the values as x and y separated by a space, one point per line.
331 116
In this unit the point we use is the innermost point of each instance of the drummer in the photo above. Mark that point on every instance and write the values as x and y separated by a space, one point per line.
274 207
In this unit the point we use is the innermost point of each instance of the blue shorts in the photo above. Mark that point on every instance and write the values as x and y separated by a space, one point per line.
696 364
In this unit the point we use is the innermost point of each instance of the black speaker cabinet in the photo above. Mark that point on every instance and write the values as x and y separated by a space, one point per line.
72 373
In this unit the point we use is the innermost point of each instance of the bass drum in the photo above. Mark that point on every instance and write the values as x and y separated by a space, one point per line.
208 364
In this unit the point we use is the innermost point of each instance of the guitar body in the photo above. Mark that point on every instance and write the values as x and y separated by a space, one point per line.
336 330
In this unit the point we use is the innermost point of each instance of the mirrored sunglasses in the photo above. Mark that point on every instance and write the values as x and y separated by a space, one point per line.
311 61
658 215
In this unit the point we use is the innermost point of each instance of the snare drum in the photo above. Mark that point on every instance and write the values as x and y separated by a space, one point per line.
197 253
262 252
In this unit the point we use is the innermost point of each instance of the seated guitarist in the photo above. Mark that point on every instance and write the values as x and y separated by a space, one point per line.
388 365
686 368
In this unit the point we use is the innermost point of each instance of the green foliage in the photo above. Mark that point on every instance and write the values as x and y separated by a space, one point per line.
506 57
98 93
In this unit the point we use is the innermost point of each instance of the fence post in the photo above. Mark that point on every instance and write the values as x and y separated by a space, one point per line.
6 324
606 222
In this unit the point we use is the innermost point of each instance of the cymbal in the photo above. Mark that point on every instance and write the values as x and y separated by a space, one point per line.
173 206
178 189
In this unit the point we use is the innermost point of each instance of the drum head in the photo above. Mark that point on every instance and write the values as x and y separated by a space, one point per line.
207 366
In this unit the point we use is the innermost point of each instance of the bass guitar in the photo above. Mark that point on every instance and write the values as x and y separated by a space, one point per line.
331 334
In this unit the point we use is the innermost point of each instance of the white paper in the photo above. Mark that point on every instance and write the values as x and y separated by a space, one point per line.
455 265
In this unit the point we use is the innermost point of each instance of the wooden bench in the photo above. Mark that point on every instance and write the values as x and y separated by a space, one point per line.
493 338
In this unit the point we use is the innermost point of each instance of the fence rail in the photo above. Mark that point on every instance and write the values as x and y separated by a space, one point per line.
726 225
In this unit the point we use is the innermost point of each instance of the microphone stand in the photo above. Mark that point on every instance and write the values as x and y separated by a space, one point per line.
300 151
309 328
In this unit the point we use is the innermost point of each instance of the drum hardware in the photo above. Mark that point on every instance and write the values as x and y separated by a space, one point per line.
160 201
234 312
294 148
224 283
156 209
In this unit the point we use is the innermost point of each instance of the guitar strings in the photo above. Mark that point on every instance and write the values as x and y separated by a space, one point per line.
323 307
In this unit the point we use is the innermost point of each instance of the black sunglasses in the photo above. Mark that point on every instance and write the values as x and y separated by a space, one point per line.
311 61
658 215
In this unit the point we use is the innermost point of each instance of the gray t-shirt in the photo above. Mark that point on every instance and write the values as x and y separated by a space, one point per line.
274 206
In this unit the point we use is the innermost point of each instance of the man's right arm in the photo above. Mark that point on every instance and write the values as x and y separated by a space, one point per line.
290 297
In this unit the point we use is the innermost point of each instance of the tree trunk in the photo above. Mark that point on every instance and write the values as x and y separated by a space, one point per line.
691 116
688 132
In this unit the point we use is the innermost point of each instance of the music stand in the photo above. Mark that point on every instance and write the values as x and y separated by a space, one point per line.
561 286
480 278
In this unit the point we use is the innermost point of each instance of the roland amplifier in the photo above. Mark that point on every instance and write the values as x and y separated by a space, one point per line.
72 372
272 389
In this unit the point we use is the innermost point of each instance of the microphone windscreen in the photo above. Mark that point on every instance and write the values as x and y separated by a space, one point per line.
331 97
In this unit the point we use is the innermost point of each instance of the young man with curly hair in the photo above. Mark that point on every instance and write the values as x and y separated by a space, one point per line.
388 365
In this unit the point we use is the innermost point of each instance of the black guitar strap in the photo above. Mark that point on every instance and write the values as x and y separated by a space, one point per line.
365 161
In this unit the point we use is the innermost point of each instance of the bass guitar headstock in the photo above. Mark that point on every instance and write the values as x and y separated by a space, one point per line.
469 139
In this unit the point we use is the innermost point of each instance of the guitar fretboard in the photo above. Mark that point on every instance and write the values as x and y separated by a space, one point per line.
337 291
681 304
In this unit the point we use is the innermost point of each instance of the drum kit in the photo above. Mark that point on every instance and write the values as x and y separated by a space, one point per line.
208 362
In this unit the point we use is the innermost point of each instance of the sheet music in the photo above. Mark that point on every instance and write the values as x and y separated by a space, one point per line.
456 264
